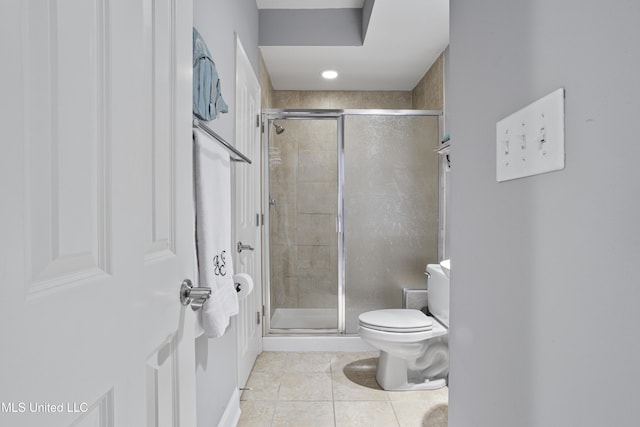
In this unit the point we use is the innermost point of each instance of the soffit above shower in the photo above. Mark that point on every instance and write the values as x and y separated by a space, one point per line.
374 45
309 4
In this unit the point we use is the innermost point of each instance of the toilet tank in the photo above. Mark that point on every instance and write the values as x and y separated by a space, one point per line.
438 300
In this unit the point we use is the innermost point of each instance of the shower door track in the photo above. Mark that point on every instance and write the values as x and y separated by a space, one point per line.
268 116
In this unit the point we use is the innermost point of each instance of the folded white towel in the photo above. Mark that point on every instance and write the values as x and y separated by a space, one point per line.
213 233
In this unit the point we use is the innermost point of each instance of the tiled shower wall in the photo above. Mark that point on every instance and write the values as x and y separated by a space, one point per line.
303 187
429 93
399 100
266 88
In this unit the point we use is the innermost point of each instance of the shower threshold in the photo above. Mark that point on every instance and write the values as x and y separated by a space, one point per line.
305 318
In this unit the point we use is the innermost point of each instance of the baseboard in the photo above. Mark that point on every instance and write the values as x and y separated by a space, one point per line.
315 343
231 415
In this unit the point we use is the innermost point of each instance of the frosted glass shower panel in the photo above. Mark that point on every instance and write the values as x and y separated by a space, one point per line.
390 209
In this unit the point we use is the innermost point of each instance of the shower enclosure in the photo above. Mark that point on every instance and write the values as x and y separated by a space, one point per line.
350 214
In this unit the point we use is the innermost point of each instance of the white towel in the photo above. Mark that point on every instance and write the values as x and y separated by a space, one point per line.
213 233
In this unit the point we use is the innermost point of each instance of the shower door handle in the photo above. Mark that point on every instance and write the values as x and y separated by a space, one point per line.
242 247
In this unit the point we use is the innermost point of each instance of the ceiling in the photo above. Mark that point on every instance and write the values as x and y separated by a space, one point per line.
403 39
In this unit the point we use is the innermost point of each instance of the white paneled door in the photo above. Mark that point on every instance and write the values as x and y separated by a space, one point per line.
247 208
96 215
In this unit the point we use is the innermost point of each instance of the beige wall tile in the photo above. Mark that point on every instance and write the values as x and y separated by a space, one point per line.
317 165
316 229
317 197
429 93
342 99
319 292
316 134
287 260
286 293
317 261
266 88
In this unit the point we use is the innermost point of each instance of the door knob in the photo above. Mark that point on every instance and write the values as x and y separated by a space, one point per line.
193 295
242 247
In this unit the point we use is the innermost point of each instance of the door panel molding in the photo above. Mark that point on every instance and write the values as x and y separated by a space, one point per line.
162 87
98 414
68 237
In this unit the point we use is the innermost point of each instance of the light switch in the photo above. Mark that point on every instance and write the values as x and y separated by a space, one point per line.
531 140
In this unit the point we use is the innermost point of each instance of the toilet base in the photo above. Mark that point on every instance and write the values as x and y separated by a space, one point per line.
393 374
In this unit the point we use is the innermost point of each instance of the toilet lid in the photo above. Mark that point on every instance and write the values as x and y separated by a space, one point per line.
396 320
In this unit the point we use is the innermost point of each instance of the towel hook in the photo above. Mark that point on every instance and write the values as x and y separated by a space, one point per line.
193 295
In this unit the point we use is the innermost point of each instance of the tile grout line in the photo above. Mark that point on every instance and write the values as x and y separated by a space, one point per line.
333 399
393 408
280 375
275 405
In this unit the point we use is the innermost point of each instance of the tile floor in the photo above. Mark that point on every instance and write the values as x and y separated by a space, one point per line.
332 389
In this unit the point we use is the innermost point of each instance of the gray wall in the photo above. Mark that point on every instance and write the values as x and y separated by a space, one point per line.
218 22
545 287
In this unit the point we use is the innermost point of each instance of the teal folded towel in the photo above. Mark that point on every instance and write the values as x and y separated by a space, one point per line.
207 98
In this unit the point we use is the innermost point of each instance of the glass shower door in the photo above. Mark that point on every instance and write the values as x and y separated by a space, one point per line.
302 211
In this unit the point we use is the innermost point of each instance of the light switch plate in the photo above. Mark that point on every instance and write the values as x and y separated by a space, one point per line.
531 140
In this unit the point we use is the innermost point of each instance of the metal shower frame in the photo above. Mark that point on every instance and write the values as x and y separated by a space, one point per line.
268 116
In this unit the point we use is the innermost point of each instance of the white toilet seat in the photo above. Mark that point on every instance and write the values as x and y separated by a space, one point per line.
401 337
396 320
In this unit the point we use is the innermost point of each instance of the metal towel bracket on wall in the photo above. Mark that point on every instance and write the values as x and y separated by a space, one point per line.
240 157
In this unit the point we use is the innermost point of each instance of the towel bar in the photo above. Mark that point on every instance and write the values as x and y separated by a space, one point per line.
225 144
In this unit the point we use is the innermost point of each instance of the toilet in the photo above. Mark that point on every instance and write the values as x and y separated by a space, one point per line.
414 347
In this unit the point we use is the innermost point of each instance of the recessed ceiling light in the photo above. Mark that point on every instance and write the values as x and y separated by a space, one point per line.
329 74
